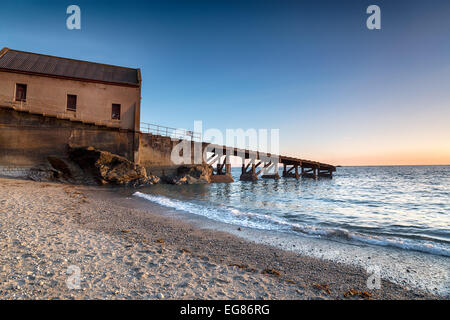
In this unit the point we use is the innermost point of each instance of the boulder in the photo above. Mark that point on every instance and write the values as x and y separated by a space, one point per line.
109 168
192 174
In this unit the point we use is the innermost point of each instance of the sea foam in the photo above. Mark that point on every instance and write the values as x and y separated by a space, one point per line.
259 221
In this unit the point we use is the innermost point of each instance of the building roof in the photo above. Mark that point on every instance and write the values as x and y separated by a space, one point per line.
39 64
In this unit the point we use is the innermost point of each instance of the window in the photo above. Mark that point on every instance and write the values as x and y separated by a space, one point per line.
115 115
71 102
21 92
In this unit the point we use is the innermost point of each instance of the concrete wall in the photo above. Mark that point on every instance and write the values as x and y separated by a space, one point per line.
27 140
94 100
155 150
154 154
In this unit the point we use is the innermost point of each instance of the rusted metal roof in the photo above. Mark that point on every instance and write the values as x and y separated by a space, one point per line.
33 63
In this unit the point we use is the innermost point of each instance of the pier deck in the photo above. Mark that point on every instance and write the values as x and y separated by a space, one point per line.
252 160
254 163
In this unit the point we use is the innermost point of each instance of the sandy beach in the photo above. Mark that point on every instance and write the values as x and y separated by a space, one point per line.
124 251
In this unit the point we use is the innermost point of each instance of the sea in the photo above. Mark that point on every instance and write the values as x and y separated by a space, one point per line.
394 221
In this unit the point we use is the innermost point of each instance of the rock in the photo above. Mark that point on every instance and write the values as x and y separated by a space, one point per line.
192 174
109 168
160 295
61 166
180 180
44 173
62 170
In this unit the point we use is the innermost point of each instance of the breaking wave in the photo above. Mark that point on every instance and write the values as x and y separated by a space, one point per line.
232 215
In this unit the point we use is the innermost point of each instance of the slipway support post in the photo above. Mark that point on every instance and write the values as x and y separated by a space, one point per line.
249 175
325 172
269 166
220 175
290 174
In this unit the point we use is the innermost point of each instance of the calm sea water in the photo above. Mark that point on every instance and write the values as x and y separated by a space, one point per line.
401 207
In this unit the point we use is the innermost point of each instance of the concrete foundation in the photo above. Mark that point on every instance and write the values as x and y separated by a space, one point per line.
221 178
248 177
275 176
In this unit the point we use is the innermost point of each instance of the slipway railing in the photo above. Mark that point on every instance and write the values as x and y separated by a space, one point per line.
175 133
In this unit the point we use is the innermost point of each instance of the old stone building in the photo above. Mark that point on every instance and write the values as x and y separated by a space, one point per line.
49 103
70 89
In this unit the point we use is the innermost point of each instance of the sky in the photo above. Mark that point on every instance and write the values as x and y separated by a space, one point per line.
338 92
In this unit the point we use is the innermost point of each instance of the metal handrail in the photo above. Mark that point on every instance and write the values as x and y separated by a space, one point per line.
175 133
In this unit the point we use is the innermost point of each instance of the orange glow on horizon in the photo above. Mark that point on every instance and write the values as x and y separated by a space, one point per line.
391 158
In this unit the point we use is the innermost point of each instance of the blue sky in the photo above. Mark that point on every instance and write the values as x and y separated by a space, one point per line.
337 91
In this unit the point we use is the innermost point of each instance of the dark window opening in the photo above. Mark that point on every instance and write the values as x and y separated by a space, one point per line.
21 92
71 102
115 112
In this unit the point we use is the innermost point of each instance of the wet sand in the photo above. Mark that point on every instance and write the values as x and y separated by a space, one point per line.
124 250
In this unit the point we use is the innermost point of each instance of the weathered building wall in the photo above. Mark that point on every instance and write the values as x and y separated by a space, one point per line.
27 140
94 100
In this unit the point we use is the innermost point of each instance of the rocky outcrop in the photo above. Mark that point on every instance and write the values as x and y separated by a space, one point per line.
108 168
90 166
191 174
